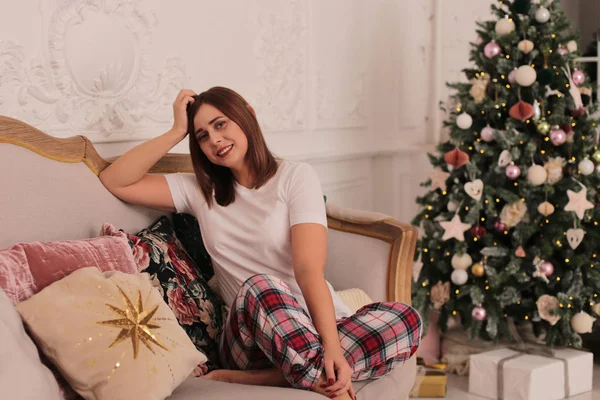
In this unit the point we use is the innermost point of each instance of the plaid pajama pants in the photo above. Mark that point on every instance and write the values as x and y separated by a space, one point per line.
267 328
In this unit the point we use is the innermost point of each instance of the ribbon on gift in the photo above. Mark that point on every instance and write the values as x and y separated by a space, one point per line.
522 349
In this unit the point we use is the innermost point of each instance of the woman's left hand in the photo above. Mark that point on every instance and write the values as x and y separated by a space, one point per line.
338 373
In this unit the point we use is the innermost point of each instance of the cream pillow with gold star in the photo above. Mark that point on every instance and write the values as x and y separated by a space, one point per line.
111 335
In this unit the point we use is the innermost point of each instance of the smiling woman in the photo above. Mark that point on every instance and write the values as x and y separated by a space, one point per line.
264 225
228 145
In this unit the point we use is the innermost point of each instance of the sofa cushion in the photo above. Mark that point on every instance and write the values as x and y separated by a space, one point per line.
111 335
22 374
394 386
197 307
199 389
27 268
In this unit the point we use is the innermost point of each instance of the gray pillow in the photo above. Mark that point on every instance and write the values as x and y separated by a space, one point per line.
22 374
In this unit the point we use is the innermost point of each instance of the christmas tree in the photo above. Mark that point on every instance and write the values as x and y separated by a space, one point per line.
510 218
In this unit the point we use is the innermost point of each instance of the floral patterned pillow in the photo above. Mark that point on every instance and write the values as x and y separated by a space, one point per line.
187 231
158 251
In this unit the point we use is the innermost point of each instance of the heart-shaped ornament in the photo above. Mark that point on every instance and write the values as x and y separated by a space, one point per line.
575 237
474 189
505 158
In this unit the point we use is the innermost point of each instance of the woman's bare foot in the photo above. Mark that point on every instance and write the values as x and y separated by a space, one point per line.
260 377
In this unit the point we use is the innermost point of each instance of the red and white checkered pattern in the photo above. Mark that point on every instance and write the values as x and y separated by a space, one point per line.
267 328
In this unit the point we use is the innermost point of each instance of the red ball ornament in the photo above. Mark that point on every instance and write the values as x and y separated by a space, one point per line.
478 231
579 112
547 268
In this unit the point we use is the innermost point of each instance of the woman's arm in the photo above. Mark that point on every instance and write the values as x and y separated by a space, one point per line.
128 178
309 254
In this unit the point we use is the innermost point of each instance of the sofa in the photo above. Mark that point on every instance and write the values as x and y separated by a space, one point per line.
49 191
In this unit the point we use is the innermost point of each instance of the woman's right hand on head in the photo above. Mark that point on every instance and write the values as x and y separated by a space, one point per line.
180 125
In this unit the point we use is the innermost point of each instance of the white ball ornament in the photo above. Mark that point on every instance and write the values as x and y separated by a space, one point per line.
461 261
582 322
464 121
459 277
586 167
537 175
526 75
542 15
572 46
504 27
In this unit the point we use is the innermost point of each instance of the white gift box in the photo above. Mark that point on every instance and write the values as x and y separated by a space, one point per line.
530 377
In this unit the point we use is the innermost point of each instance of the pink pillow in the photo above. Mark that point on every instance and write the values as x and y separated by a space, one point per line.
15 276
27 268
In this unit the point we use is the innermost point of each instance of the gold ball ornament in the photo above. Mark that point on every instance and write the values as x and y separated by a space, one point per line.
543 127
596 156
478 270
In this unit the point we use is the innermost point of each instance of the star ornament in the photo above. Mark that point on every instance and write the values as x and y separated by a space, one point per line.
135 324
438 179
578 202
454 228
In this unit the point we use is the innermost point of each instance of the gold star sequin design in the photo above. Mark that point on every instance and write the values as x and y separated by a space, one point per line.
578 202
135 324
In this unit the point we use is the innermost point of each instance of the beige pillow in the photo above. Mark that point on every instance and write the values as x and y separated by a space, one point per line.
111 335
354 298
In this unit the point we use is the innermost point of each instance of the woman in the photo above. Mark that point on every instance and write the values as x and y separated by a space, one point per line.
264 225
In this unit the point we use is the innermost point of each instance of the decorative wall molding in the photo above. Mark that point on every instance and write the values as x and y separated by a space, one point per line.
281 51
91 80
340 94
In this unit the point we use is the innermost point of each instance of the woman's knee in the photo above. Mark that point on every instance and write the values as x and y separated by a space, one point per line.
405 315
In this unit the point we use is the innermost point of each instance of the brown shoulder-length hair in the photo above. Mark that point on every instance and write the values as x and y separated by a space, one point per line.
260 161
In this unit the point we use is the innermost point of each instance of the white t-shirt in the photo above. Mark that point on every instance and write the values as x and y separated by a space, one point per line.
252 235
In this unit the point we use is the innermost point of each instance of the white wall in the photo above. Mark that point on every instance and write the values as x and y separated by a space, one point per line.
350 86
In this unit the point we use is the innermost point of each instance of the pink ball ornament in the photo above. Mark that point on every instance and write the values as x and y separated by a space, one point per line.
492 49
479 313
558 137
547 268
513 171
500 227
487 134
512 76
562 50
578 77
478 40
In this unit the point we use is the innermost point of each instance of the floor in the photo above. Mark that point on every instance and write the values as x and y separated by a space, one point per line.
458 387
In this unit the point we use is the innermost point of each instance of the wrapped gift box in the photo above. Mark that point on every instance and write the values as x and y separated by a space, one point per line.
431 380
526 376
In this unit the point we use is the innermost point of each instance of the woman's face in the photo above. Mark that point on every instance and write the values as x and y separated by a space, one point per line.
221 140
